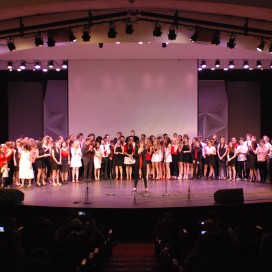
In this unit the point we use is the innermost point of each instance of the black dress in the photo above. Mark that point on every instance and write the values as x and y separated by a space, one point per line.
40 162
232 162
252 159
187 157
118 158
54 165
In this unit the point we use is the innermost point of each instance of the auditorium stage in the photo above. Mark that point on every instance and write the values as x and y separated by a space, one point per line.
119 195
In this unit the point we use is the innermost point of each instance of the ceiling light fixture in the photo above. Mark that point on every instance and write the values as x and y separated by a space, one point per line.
259 63
157 32
194 37
11 45
50 40
217 63
86 35
64 64
216 38
71 36
231 43
246 65
112 31
231 64
51 64
38 40
23 65
203 64
37 65
172 34
129 27
261 46
10 65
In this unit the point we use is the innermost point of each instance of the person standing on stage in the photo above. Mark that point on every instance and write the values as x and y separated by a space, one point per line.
9 153
55 163
222 158
105 152
242 151
128 160
167 157
231 157
140 163
262 153
187 158
119 159
87 156
25 166
76 163
197 157
132 134
97 161
210 153
65 162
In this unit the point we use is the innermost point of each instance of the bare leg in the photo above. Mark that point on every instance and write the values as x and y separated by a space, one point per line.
121 172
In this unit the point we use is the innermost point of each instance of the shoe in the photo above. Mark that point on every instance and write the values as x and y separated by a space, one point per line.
59 184
146 190
29 186
44 183
38 184
21 186
54 184
73 180
77 181
134 189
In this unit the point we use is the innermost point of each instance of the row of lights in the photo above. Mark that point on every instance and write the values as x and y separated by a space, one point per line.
157 32
38 66
231 65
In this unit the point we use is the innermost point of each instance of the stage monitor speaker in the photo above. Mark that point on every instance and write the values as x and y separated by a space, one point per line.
11 196
229 196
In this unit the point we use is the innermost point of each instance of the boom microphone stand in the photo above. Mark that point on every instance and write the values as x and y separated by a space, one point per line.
87 194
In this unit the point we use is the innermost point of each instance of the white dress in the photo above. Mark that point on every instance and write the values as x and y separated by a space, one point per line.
76 157
25 166
167 155
97 160
156 156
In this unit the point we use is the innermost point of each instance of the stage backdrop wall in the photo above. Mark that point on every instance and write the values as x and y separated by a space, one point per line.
150 96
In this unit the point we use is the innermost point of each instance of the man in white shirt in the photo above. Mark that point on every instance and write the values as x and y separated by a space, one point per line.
105 151
242 150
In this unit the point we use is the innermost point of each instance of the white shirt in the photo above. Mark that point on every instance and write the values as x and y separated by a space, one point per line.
243 149
104 150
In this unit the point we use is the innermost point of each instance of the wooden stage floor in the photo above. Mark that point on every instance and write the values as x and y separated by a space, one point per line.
202 194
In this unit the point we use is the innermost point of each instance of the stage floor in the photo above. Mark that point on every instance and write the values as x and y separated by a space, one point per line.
201 194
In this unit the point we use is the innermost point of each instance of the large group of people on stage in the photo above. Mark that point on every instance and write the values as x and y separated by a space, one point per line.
46 161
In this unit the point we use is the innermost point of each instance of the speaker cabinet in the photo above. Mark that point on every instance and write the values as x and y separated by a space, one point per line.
11 196
229 196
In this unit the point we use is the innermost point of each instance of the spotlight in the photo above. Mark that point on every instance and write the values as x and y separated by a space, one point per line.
71 36
57 69
11 45
246 66
231 43
271 64
164 45
259 63
217 63
231 64
129 28
261 46
38 40
64 64
112 31
194 37
10 66
86 36
51 64
37 65
100 45
270 48
203 64
216 38
50 40
172 34
23 65
157 31
45 69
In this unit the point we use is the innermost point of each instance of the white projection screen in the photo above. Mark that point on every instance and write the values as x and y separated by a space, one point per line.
149 96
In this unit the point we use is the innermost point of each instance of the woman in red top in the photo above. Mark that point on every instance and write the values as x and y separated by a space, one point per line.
65 162
3 161
148 156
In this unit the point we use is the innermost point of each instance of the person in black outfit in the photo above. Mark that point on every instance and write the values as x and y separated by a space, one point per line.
87 156
140 163
197 160
132 134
